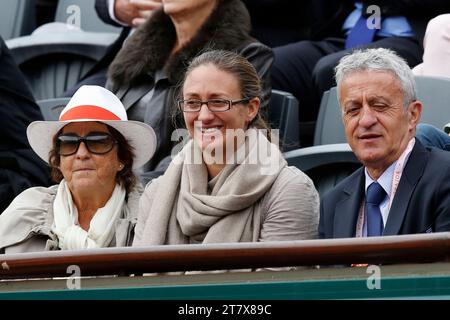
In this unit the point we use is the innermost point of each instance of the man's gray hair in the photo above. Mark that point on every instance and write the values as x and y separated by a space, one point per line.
383 60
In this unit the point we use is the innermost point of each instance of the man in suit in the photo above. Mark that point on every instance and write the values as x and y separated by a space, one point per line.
305 68
403 188
20 167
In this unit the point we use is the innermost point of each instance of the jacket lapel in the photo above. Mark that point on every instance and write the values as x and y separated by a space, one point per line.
412 172
346 211
130 97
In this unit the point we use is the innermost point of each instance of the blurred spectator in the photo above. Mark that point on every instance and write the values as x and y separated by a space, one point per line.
111 12
436 55
436 63
274 23
147 70
20 167
306 68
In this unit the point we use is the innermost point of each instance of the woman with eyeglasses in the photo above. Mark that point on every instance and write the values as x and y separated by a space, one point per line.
92 151
229 183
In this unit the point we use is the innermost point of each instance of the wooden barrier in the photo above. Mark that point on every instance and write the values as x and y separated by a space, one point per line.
157 259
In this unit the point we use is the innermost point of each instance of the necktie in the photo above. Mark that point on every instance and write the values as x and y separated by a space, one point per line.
360 34
375 195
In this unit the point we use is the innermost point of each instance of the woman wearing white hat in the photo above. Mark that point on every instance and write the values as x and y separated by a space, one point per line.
92 151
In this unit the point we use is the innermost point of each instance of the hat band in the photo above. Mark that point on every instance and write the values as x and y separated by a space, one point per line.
88 112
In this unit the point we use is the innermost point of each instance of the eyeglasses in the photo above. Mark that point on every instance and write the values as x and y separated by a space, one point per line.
214 105
96 143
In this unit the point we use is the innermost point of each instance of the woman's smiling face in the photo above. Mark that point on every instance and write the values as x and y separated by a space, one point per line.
213 130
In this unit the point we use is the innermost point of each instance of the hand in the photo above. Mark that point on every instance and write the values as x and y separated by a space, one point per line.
135 12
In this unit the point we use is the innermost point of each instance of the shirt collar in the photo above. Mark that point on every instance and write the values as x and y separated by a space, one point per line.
385 180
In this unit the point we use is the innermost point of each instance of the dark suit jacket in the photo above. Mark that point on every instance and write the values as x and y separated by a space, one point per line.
421 203
20 167
315 20
97 74
101 6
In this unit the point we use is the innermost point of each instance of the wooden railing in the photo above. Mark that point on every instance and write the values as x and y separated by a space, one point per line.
158 259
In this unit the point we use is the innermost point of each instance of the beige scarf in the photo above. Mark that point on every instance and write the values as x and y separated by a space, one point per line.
102 227
184 209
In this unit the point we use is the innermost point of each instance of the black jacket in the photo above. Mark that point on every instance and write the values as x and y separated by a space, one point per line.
421 203
20 167
101 7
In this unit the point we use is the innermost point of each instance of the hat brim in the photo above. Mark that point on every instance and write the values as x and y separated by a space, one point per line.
139 135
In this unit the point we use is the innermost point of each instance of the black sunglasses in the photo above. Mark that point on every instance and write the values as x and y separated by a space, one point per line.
96 143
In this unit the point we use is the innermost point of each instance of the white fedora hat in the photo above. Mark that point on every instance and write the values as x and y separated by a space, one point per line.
94 103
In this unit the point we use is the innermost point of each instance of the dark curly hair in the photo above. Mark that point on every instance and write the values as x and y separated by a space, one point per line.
125 153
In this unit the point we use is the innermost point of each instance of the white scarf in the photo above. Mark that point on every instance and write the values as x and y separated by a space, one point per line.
101 230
